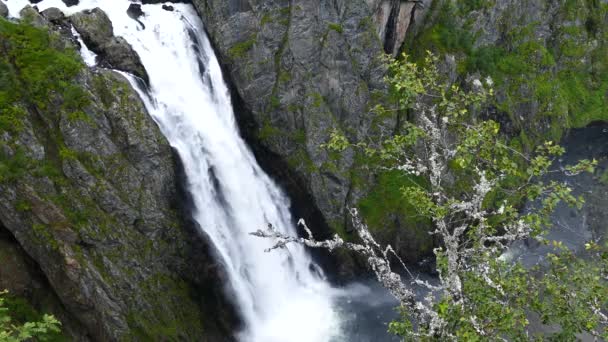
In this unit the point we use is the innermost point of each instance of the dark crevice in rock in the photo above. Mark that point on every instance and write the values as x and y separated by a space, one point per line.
391 28
412 25
279 54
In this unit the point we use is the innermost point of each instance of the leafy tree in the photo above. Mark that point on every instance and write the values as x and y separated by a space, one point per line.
476 184
10 331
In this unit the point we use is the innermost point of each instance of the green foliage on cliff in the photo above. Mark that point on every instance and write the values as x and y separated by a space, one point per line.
44 328
240 49
36 78
336 27
386 197
604 177
36 71
545 84
387 211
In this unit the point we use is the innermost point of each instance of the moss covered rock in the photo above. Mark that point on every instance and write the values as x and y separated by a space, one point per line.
89 190
547 59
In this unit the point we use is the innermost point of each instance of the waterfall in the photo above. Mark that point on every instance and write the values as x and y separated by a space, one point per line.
282 295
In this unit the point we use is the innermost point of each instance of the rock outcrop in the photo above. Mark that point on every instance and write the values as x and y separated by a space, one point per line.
29 288
53 15
3 10
113 52
70 3
90 200
393 19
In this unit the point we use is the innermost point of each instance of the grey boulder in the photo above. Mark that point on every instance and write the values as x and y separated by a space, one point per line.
113 52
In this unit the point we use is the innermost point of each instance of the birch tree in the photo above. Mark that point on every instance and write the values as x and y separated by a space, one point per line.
476 183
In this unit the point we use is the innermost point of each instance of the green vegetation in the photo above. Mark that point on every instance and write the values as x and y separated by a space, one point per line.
40 78
317 99
240 49
604 177
280 16
266 19
542 81
36 78
19 322
151 325
35 72
386 199
284 76
13 167
300 160
268 131
336 27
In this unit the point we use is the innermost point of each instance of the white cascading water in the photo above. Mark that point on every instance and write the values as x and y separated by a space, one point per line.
281 295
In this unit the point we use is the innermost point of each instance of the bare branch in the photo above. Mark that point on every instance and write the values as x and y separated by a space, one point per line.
378 260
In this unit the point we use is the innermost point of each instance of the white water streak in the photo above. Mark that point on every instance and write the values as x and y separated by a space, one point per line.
89 57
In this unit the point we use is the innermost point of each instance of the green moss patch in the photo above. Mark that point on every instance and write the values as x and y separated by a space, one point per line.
240 49
386 202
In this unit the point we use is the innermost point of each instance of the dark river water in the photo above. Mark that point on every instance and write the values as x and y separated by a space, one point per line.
571 226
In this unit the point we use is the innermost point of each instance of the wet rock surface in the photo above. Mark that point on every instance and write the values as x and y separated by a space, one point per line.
134 11
575 227
113 52
53 15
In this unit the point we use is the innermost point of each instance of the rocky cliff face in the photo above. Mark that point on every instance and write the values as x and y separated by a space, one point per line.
89 200
301 70
547 58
